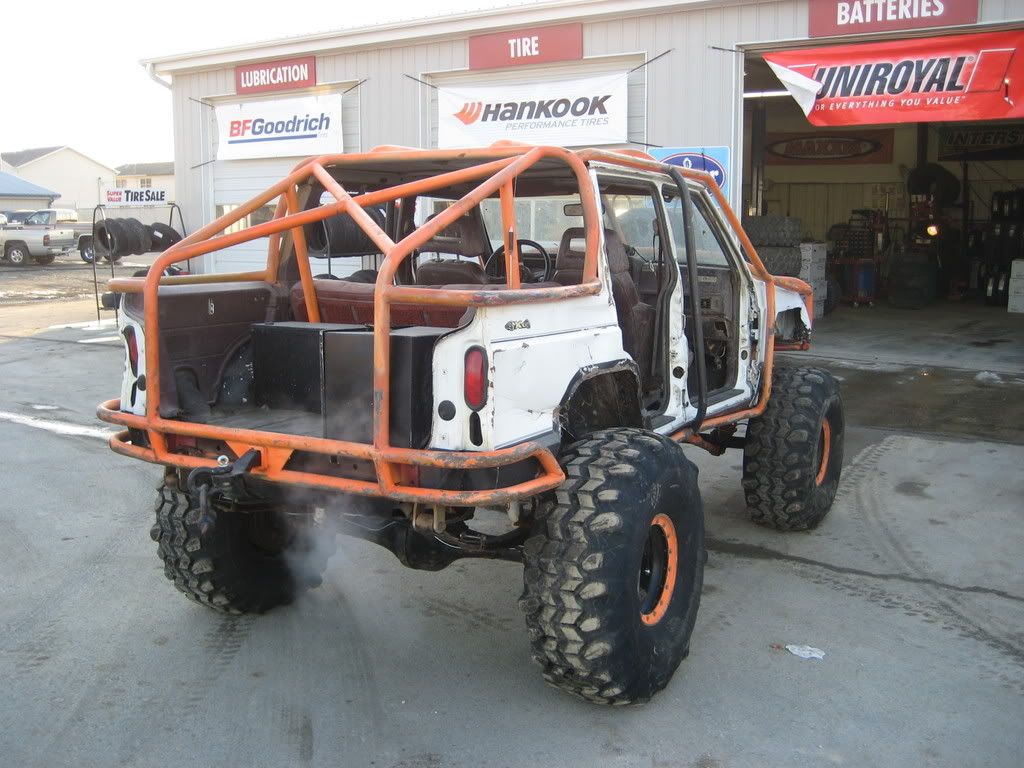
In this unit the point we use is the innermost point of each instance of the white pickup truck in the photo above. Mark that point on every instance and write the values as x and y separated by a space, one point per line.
65 218
23 244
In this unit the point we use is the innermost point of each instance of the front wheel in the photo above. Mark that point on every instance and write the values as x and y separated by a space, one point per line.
614 570
250 560
794 450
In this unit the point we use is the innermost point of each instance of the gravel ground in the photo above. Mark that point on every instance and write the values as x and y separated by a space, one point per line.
68 278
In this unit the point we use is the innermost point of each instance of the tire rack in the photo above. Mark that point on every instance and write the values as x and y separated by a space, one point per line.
99 213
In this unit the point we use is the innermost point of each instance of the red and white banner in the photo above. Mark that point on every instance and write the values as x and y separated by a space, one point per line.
955 77
852 17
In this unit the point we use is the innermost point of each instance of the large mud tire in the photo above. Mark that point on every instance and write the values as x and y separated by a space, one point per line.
794 450
229 568
628 515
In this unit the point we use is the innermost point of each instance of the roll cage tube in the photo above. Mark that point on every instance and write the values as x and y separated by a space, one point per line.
695 315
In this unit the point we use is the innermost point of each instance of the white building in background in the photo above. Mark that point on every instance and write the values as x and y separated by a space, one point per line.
146 176
77 178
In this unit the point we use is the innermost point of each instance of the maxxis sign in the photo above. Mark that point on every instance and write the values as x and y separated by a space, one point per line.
571 113
310 125
949 78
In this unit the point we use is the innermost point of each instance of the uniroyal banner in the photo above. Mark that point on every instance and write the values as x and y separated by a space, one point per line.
310 125
570 113
955 77
831 148
827 18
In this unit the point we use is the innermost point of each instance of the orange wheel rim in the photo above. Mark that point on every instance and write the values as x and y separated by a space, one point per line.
662 528
825 451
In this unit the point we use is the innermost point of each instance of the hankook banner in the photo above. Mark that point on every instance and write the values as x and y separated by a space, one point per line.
571 113
310 125
930 79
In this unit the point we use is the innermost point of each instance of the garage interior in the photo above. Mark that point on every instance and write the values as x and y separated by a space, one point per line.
907 225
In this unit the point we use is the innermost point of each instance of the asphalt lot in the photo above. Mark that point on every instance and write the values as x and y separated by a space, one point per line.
912 587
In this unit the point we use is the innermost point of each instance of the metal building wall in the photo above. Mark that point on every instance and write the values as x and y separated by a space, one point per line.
692 93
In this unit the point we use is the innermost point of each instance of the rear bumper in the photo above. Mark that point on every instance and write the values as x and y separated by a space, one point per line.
397 469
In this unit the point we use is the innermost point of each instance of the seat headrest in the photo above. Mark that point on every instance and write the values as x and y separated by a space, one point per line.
463 237
449 272
572 251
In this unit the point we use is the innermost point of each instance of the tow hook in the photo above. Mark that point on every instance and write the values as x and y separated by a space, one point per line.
210 483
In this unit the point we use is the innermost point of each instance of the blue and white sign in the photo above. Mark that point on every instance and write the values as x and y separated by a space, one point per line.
712 160
309 125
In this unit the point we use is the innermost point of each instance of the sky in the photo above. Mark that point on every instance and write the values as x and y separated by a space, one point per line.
72 75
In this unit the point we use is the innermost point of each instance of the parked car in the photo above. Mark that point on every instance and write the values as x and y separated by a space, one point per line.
23 245
66 218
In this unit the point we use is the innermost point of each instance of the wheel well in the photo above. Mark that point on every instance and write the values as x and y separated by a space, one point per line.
789 325
84 240
600 399
11 243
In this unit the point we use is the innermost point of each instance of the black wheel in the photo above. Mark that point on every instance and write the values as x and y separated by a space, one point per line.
141 241
614 570
248 561
17 254
86 250
794 450
46 258
162 236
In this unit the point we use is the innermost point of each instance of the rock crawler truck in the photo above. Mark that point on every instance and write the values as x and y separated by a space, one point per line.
534 334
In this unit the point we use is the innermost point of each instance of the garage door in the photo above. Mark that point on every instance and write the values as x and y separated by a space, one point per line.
636 84
236 181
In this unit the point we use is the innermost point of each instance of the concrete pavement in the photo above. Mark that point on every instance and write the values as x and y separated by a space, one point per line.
912 587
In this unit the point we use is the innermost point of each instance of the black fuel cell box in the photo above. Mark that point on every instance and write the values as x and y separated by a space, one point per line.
327 368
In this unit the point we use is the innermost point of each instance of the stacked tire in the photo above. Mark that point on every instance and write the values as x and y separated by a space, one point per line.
116 238
777 240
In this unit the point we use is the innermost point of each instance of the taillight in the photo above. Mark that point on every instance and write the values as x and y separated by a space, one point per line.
476 378
133 349
46 239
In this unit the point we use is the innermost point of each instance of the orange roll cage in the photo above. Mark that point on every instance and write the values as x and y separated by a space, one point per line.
496 171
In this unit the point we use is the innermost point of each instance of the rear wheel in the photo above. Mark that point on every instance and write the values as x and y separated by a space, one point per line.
249 561
17 254
614 570
794 450
46 258
86 250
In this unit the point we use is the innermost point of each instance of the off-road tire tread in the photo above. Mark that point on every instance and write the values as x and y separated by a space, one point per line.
781 451
199 571
566 570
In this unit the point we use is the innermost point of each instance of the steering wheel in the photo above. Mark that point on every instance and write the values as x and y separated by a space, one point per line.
494 267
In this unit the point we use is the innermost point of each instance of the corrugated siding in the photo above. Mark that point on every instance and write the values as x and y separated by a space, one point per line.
691 92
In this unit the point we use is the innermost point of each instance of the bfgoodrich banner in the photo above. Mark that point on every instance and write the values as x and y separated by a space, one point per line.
569 113
310 125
